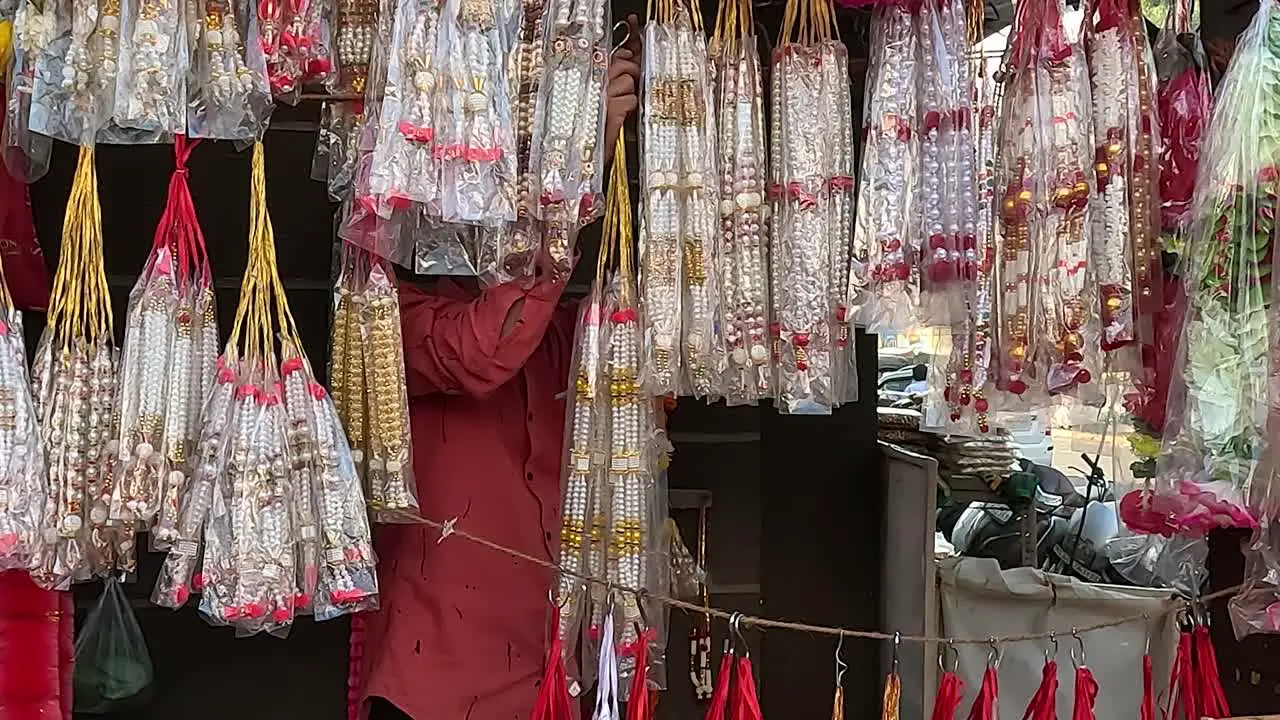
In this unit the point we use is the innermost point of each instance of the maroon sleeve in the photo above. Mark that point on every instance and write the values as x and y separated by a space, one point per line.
457 346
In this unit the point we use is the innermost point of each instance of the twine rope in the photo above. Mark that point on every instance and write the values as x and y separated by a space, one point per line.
450 528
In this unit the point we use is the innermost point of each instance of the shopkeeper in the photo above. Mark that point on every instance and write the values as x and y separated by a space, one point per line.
462 632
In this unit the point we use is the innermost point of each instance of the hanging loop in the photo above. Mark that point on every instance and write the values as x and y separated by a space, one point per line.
950 649
1051 650
1079 662
994 656
841 665
735 628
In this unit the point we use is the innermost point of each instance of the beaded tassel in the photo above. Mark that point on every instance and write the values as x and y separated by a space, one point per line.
390 465
24 480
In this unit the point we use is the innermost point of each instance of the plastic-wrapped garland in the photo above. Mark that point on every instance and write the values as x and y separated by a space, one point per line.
839 174
74 386
297 41
229 96
346 360
151 92
405 167
946 200
586 422
75 69
23 481
517 249
1047 325
801 250
1184 101
1215 428
886 191
565 156
1124 206
161 367
390 463
188 374
357 24
661 246
346 120
636 497
477 142
744 287
961 383
698 192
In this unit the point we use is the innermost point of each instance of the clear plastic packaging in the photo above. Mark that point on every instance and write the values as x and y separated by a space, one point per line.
26 153
348 582
149 96
566 161
390 462
344 147
887 185
1184 103
357 23
476 139
744 288
1046 322
808 136
75 68
228 96
113 671
1215 426
23 479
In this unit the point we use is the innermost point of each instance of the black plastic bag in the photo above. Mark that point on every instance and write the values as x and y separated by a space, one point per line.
113 667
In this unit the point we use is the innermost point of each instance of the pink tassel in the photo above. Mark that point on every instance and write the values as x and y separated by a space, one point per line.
1182 683
638 705
719 703
553 697
746 703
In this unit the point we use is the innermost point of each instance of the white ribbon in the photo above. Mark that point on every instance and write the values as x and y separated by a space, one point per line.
607 690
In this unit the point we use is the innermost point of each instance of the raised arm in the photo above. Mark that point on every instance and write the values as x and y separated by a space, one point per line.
472 347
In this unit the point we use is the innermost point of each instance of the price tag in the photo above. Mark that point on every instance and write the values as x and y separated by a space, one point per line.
308 532
186 548
271 571
582 463
619 464
333 556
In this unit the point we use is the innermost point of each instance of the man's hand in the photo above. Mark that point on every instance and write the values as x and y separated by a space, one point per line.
622 86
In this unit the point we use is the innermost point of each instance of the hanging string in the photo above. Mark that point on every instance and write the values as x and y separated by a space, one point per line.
1174 604
891 709
607 686
552 702
1182 682
639 706
746 702
1147 710
719 703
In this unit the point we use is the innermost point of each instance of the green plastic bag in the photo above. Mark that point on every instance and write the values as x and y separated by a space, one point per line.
113 667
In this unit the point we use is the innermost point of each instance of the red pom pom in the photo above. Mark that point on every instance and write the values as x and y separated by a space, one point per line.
292 365
254 610
281 615
981 405
802 365
197 581
1017 386
317 390
181 594
1083 377
800 339
623 315
966 376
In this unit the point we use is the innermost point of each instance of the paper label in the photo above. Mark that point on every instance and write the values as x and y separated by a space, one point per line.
619 464
4 497
582 463
186 548
271 572
333 556
307 532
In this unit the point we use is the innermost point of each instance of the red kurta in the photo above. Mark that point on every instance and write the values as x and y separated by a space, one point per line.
462 630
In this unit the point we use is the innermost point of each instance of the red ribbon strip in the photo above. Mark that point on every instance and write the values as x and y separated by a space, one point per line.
355 660
1147 711
1182 683
1086 695
719 703
1044 704
950 692
1213 700
986 705
553 696
638 705
746 703
178 229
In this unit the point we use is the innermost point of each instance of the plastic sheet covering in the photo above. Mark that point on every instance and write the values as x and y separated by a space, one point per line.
1184 104
1218 397
229 97
980 600
26 154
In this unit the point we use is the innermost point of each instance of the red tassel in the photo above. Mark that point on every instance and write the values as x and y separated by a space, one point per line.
1086 695
1044 704
746 704
1213 700
355 663
1147 710
947 703
639 706
719 703
1182 683
553 695
987 704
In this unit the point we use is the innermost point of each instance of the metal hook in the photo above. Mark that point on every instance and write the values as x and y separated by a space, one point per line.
1146 626
841 665
625 38
1078 662
897 646
558 604
993 658
1053 643
735 626
955 658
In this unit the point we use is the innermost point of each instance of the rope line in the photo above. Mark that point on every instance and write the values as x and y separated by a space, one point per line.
450 527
